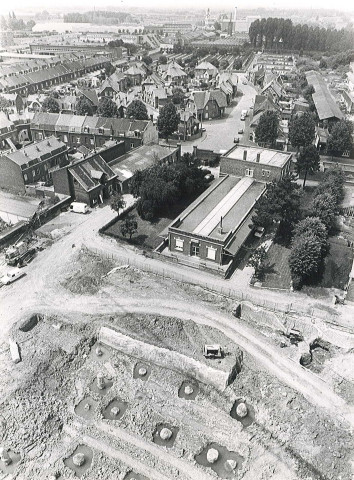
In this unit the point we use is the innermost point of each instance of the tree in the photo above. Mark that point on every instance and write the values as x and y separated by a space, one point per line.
313 225
305 258
238 64
308 161
302 130
223 64
168 120
84 107
117 202
147 59
323 63
325 208
137 109
340 139
257 261
129 226
4 102
267 129
109 69
107 108
177 96
163 59
280 203
50 105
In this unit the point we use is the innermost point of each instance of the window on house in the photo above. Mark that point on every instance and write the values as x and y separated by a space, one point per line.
33 173
40 136
100 130
265 173
65 138
179 244
211 253
132 145
92 141
195 249
249 172
25 176
77 139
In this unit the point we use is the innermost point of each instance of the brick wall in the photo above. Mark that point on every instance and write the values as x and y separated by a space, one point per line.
11 177
188 239
261 172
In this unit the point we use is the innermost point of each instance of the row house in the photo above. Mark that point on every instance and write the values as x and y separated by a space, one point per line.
61 73
8 133
34 163
93 132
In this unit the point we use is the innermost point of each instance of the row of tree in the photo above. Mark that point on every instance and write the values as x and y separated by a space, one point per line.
13 23
309 245
281 33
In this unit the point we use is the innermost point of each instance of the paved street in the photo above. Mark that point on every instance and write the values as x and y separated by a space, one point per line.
220 134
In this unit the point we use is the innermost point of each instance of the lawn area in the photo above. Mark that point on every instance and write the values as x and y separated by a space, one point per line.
278 272
337 266
147 236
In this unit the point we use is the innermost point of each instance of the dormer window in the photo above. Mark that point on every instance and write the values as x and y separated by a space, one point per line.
101 130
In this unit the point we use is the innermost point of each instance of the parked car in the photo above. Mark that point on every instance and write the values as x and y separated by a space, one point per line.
244 82
237 140
202 129
11 276
79 207
209 177
240 131
259 232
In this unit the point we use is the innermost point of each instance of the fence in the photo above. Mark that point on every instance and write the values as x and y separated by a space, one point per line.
149 265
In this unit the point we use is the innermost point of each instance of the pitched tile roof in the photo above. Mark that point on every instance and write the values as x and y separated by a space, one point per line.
36 151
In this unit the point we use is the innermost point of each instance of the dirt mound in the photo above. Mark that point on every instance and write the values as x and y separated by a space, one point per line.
89 278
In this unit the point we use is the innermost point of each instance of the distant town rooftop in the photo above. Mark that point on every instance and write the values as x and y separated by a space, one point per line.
260 155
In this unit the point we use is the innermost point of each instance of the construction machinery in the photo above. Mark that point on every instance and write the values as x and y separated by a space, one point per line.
19 254
212 351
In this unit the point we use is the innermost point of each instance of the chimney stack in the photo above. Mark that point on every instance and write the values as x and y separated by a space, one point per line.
245 154
258 157
220 226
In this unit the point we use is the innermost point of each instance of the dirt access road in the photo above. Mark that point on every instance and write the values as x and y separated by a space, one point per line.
40 291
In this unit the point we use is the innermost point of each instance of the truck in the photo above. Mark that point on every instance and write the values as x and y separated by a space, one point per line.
243 114
79 207
19 254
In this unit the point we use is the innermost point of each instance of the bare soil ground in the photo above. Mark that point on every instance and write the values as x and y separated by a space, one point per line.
288 438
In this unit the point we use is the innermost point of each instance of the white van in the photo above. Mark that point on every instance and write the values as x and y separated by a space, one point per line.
11 276
243 114
78 207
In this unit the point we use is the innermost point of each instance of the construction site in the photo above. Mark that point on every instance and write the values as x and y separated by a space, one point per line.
114 372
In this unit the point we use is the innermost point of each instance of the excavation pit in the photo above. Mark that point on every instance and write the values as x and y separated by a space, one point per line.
79 470
106 384
86 408
142 371
15 459
238 414
165 435
29 323
115 409
188 390
99 353
135 476
224 463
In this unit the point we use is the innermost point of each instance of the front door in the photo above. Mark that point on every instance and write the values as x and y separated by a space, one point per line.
195 249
